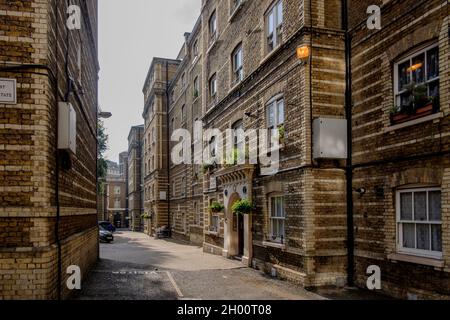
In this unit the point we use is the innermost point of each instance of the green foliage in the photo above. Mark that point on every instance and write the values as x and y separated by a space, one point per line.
394 110
281 132
102 166
206 167
418 98
243 206
233 158
146 216
216 207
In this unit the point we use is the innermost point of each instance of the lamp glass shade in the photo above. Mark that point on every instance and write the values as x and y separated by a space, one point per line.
303 52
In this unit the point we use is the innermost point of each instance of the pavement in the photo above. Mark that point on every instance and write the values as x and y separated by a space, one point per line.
138 267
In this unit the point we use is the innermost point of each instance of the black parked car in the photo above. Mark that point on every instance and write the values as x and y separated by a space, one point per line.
107 226
105 235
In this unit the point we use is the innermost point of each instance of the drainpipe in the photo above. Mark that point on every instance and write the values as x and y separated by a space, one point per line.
349 168
168 149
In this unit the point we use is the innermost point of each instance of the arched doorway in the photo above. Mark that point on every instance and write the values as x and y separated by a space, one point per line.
235 229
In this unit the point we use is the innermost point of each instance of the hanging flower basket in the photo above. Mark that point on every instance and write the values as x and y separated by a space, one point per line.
216 207
242 207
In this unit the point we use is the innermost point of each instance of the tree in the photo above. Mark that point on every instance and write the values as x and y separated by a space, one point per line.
102 166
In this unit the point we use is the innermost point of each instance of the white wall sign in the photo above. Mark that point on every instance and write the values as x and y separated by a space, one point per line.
8 91
213 184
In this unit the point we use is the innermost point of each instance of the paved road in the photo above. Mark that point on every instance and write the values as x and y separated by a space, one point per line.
136 267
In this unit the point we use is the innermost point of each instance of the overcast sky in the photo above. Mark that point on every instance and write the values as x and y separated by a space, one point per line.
130 34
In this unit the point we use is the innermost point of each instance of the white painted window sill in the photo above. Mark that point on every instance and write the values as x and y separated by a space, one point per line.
414 122
274 245
417 260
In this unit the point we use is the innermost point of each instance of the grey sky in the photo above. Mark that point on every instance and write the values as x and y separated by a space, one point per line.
130 34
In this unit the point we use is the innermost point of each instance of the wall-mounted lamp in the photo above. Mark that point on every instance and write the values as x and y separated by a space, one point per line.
361 191
303 53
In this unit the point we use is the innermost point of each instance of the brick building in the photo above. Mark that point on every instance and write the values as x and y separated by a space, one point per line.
116 193
155 152
48 213
135 204
400 155
185 108
254 80
376 196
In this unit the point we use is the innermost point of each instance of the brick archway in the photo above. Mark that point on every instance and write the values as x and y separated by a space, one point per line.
417 176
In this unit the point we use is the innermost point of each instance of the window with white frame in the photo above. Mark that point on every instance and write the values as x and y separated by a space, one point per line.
275 115
238 130
213 87
183 80
212 147
238 69
183 113
419 222
213 26
214 222
417 80
198 219
196 92
153 135
274 25
277 219
196 49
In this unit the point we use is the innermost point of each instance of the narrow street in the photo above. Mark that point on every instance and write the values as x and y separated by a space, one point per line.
137 267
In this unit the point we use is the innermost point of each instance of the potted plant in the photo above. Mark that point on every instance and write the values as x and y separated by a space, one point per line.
243 206
418 105
422 102
216 207
397 116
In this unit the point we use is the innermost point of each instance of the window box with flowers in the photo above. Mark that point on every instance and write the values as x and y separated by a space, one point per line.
418 105
416 85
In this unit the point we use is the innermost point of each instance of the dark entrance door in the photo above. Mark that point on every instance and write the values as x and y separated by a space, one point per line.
118 220
241 234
